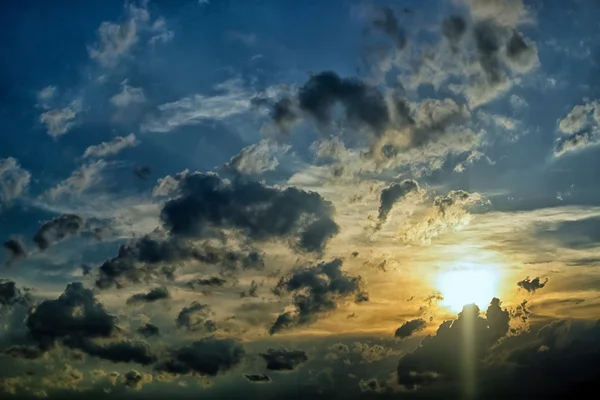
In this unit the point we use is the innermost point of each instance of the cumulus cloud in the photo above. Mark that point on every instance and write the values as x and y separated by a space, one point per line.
256 159
282 359
409 327
57 229
82 179
316 291
59 121
305 219
195 317
579 129
135 380
532 285
438 356
155 294
111 148
208 357
128 95
14 180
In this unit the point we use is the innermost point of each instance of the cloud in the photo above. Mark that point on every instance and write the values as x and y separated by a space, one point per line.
257 378
16 249
46 95
392 194
208 357
438 356
213 281
128 95
207 204
125 351
387 23
195 317
410 327
135 379
148 330
139 261
57 229
24 351
448 213
60 121
82 179
282 359
116 40
14 180
155 294
196 109
580 129
453 29
316 291
532 285
256 159
10 294
115 146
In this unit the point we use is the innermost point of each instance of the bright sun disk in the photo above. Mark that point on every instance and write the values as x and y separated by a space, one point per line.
468 286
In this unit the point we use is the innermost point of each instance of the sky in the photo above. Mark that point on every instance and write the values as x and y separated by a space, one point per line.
299 199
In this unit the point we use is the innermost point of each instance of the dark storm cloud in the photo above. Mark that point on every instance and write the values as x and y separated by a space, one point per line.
213 281
148 330
24 351
138 261
438 356
195 317
258 378
316 290
410 327
284 360
454 28
208 357
155 294
389 25
142 172
208 204
15 248
57 229
391 194
10 294
76 314
531 285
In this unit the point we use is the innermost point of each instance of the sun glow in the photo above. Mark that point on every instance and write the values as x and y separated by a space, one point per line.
478 285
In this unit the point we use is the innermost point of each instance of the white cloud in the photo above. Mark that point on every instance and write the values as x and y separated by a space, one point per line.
14 180
195 109
257 159
60 121
116 39
80 180
113 147
128 95
46 95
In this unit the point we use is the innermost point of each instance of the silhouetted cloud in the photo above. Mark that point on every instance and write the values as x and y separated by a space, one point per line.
16 249
391 194
532 285
410 327
155 294
195 317
284 360
148 330
258 378
213 281
10 294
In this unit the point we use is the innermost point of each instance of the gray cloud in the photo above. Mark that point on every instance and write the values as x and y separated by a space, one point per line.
10 294
258 378
135 379
195 317
208 357
256 159
453 29
57 229
15 248
387 23
392 194
155 294
410 327
148 330
213 281
282 359
207 203
316 290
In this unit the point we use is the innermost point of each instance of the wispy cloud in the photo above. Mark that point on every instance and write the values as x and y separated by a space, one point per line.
14 180
111 148
59 121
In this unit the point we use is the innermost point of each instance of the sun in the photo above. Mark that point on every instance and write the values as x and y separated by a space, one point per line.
473 285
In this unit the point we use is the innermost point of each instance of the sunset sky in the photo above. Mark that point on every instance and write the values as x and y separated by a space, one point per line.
280 199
